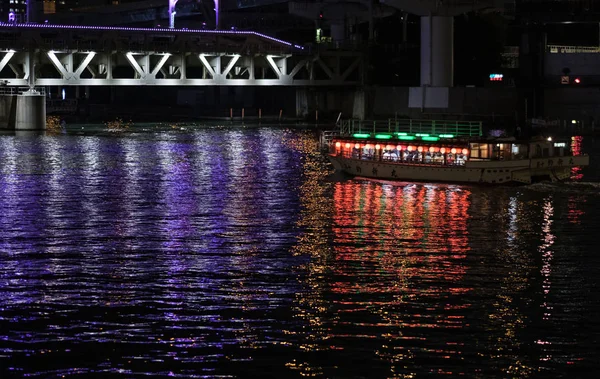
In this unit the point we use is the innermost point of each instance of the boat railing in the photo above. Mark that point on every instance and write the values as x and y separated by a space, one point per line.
326 138
456 128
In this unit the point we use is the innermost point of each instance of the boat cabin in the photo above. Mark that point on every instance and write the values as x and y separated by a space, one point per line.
442 150
510 149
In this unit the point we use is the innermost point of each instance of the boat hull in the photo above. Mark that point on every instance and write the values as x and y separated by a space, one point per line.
498 172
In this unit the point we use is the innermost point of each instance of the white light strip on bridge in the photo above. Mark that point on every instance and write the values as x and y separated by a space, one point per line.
52 26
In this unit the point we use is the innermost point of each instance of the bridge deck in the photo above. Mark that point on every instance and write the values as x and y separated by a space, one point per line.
101 38
49 54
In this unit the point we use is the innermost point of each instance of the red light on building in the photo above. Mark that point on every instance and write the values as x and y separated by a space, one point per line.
577 81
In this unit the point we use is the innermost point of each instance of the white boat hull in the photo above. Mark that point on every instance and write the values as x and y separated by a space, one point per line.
490 172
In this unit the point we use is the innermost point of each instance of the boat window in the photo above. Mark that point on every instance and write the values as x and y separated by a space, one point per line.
518 151
479 150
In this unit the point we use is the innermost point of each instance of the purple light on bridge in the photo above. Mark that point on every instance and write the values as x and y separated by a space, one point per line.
130 29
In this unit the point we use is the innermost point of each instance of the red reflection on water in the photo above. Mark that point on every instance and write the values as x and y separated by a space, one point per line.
400 255
576 142
386 222
575 205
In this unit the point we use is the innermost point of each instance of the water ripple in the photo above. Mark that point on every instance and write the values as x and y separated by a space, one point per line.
231 252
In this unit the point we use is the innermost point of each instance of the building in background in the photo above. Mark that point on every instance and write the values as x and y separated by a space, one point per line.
13 10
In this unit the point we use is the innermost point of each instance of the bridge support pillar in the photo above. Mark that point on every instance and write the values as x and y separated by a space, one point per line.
301 102
437 51
359 106
338 32
30 111
8 108
25 111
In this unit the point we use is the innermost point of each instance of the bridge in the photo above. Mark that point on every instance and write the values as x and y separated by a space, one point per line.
66 55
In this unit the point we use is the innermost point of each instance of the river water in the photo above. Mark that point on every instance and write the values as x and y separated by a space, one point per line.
233 252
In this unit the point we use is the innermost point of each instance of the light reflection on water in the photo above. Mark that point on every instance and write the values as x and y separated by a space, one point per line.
232 252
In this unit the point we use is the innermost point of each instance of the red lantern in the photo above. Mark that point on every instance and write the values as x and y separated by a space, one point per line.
357 146
465 151
337 144
347 146
420 149
443 150
453 151
432 149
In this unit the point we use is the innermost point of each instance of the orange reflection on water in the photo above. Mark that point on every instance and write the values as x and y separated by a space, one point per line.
399 255
422 228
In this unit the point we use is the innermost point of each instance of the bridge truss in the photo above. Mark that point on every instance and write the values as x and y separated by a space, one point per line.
60 55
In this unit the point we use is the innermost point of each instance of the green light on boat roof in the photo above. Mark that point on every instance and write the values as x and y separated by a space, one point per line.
422 135
407 138
446 135
361 135
402 134
427 138
383 136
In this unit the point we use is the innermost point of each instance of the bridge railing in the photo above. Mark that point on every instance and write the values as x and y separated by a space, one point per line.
6 90
456 128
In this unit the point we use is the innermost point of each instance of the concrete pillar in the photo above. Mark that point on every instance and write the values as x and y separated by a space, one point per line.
437 51
31 111
8 111
359 106
301 102
338 32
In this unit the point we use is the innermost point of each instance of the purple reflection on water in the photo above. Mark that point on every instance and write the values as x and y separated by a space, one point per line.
142 252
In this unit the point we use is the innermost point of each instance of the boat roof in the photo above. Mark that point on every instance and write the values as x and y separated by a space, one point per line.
427 138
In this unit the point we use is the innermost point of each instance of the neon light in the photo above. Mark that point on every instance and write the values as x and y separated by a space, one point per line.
427 138
383 136
496 77
446 135
402 134
407 138
130 29
361 135
422 135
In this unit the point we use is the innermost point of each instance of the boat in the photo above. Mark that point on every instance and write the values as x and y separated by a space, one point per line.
461 157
